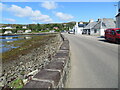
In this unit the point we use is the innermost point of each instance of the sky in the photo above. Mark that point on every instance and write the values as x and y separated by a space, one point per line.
55 12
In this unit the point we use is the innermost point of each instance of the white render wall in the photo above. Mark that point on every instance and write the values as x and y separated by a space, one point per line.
102 32
79 30
118 21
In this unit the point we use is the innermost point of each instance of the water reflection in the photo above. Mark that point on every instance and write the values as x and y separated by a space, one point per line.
5 39
28 37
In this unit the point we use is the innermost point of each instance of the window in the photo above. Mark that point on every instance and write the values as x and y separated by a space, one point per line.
118 31
113 32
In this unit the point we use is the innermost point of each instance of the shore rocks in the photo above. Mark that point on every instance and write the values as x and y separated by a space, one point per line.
56 73
30 63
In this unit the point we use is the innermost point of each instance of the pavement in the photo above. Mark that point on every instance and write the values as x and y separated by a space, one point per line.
94 62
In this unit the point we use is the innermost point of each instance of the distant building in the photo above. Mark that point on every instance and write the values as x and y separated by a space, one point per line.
28 31
104 24
78 28
89 28
20 31
52 31
8 32
55 28
8 27
98 27
24 27
118 16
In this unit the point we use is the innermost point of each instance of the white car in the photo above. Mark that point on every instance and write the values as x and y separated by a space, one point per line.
70 32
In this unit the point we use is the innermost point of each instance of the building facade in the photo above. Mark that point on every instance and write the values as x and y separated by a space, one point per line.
78 28
118 16
98 27
89 29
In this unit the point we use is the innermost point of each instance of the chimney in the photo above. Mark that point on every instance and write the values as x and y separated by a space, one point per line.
99 19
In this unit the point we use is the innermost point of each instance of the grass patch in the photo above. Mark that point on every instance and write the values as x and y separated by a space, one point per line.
17 84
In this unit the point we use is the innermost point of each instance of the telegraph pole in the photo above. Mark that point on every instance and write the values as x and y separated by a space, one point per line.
116 6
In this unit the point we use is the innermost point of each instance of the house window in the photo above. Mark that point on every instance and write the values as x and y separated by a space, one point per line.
113 32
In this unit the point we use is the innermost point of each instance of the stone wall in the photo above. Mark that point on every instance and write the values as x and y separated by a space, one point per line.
54 74
28 65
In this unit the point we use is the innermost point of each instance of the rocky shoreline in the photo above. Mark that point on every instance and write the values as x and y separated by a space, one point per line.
29 64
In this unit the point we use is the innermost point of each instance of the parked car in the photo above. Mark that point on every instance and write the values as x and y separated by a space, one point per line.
113 35
70 32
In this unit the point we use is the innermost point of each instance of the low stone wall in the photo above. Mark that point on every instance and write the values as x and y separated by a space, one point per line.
28 65
55 74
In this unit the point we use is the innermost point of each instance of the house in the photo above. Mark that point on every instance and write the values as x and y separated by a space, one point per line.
51 31
1 26
55 28
8 27
24 27
118 16
103 24
89 28
78 28
28 31
20 31
98 27
8 32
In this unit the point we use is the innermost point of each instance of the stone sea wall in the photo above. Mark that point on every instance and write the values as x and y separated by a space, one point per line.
27 66
55 74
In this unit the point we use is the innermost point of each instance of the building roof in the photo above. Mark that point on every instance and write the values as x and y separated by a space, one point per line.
118 15
90 25
106 23
81 25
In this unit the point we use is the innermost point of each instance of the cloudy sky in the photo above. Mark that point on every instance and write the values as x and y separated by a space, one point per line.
55 12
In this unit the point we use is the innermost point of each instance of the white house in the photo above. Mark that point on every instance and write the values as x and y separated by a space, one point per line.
8 32
8 27
24 27
78 28
20 31
27 31
98 27
52 31
89 28
118 16
104 24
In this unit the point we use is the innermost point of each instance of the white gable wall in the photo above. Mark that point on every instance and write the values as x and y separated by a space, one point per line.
118 21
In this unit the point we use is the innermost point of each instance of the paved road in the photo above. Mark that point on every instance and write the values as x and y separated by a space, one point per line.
94 63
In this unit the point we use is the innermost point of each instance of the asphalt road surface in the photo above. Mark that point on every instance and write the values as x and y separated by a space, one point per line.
94 62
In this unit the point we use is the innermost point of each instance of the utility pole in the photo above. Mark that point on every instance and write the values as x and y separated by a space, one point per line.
116 6
101 24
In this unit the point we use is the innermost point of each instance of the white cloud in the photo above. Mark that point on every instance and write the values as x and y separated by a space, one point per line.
64 16
2 6
49 5
9 20
43 18
23 12
27 11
